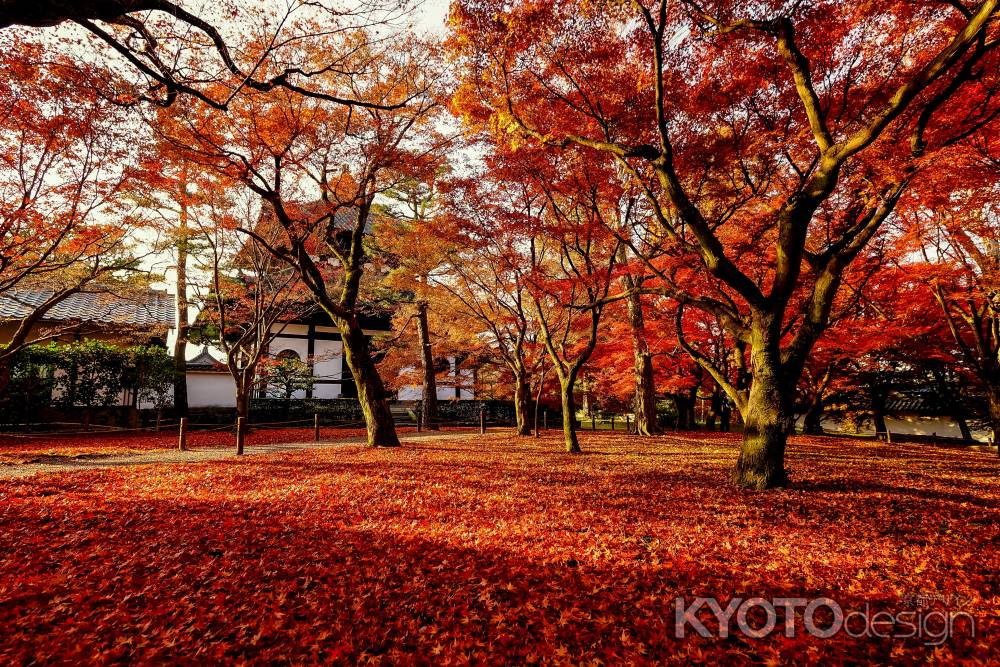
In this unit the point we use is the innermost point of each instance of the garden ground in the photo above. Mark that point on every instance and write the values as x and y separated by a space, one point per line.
41 448
491 549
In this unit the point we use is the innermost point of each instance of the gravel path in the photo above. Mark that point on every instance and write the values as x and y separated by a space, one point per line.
166 456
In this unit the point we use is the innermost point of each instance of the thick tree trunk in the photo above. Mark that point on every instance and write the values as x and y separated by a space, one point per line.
522 399
879 399
685 412
429 405
646 422
878 417
813 421
371 391
645 391
569 416
767 420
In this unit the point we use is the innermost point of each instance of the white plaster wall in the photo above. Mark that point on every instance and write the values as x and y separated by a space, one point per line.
298 345
211 390
297 329
327 358
445 388
912 425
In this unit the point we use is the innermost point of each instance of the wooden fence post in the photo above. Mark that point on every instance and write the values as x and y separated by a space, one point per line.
420 419
888 435
593 422
182 434
482 420
628 425
240 436
316 426
545 419
612 423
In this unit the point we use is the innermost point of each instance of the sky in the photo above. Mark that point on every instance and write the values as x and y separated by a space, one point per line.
432 15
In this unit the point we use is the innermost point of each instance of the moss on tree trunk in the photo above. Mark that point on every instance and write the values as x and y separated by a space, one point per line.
767 420
371 392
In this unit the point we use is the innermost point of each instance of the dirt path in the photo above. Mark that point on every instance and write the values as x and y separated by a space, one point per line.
166 456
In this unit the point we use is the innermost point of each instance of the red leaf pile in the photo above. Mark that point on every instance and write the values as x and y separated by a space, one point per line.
489 550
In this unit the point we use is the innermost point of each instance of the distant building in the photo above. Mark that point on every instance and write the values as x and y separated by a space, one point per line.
131 317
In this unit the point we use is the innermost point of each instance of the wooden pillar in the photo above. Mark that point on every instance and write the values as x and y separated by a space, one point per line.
482 420
316 426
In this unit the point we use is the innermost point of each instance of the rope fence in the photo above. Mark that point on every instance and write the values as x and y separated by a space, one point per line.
183 428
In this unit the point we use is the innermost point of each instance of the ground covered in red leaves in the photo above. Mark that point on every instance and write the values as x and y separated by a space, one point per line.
494 550
19 449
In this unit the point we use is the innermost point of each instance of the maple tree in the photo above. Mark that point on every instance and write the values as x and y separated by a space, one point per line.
769 142
962 270
64 227
411 214
317 168
485 274
572 269
251 292
173 193
644 399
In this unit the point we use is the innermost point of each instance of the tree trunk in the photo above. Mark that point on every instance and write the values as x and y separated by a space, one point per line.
371 391
645 391
878 417
767 420
994 401
725 416
243 403
691 406
714 411
5 368
429 405
813 420
646 422
569 416
879 394
963 427
685 411
180 344
522 399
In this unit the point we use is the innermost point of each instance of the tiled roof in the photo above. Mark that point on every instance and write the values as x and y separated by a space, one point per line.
344 218
152 308
204 362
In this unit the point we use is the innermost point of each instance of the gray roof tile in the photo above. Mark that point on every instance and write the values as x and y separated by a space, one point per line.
149 308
